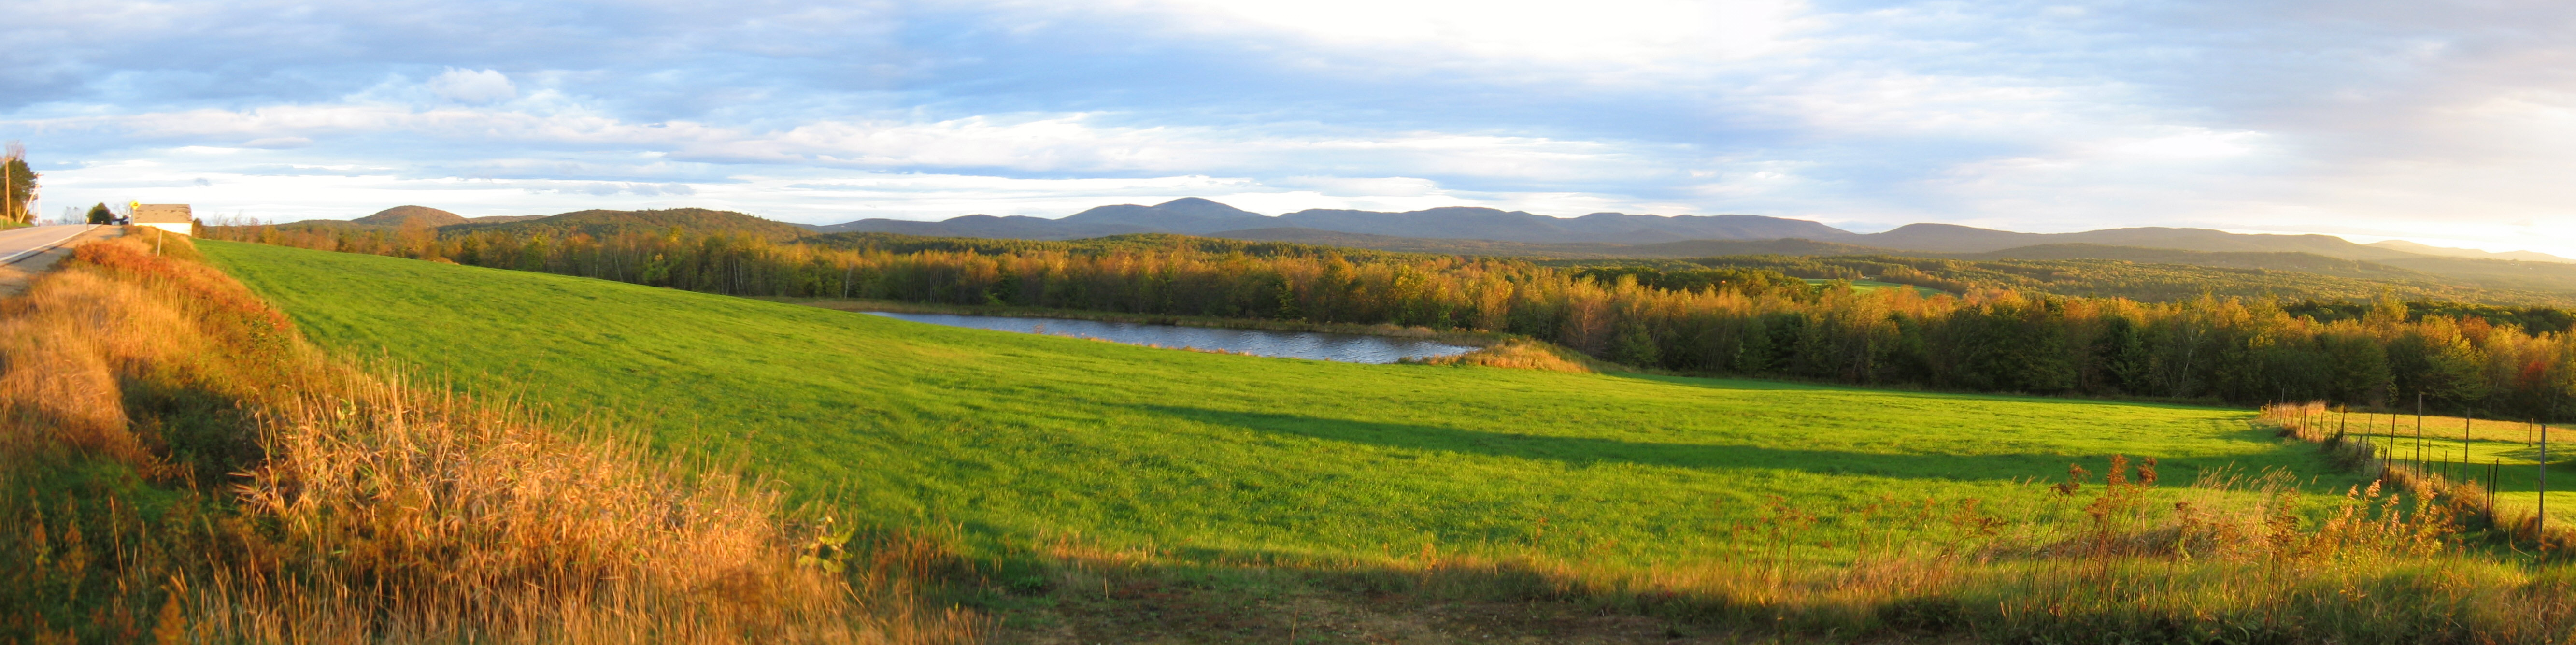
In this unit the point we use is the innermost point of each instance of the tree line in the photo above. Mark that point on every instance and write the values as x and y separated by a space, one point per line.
1718 321
2180 278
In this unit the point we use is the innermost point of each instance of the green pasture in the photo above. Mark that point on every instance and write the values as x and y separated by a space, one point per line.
1013 437
1874 285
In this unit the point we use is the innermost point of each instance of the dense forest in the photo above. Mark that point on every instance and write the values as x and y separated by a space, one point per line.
2113 278
1726 320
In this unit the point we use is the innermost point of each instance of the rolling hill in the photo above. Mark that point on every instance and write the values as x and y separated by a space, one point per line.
1949 238
2266 260
1682 249
592 222
2155 279
402 215
598 222
399 216
2448 252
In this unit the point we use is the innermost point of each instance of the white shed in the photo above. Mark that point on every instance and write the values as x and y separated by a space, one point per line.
174 218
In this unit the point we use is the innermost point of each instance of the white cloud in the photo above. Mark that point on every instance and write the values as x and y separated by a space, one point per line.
599 188
1040 142
2196 144
278 142
2386 116
469 86
1619 32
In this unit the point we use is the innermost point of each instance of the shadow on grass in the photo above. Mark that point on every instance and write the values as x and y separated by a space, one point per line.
1747 383
1590 451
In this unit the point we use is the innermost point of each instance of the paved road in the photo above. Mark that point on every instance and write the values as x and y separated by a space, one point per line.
25 252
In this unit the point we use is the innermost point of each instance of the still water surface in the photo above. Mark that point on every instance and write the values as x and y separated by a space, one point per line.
1348 348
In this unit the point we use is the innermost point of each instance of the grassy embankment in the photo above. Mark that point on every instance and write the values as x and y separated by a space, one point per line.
177 465
1729 502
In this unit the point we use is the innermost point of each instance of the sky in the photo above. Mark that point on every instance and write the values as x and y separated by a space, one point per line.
2447 123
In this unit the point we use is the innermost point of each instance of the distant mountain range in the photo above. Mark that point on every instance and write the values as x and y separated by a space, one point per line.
1490 232
1608 233
1195 216
1486 231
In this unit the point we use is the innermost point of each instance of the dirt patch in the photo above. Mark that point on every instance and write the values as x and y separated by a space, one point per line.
1166 611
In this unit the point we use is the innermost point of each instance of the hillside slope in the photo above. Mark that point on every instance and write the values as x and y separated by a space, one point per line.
2255 276
2449 252
1561 250
2273 261
402 215
598 222
1017 436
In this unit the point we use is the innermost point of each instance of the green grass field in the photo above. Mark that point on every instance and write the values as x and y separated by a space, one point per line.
1874 285
1015 437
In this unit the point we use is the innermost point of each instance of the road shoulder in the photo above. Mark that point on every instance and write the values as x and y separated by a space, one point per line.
17 274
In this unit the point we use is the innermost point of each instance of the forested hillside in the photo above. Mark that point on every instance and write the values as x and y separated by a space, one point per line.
2116 278
609 222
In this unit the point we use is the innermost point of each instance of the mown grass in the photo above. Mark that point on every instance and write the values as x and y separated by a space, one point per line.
1017 439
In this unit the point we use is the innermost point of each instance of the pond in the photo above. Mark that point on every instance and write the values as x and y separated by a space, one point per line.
1347 348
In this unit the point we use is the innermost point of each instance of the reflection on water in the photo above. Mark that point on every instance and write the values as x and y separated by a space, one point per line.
1348 348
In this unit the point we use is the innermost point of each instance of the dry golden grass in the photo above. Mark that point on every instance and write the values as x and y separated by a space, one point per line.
1523 354
373 509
